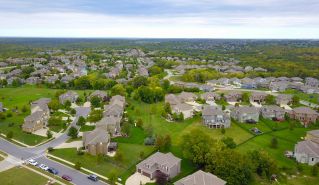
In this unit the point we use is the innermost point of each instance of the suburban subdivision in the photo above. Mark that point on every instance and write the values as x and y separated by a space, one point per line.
159 111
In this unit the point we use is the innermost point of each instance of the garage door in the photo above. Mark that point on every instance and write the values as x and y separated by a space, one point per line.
146 174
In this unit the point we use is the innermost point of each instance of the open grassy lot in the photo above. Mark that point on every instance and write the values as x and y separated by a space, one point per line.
19 176
13 98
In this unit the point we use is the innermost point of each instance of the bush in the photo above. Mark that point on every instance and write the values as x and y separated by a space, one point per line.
79 152
9 114
77 166
11 124
9 135
2 116
73 132
49 134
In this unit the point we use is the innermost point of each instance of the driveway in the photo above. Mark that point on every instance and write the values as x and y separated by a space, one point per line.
137 179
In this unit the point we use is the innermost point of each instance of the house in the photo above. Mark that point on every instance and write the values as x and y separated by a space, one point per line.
41 105
142 71
187 97
210 96
247 83
305 115
32 80
172 99
96 142
273 112
258 97
233 96
312 82
101 94
278 86
185 109
206 88
307 151
245 113
118 99
283 99
201 178
113 110
34 122
213 117
167 163
68 96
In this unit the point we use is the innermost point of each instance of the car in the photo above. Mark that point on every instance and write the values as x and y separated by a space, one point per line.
32 162
44 167
66 177
251 121
93 177
53 171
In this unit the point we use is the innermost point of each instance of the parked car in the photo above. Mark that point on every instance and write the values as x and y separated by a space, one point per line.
32 162
66 177
53 171
93 177
44 167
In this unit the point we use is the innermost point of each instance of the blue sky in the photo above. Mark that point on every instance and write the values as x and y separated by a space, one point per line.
160 18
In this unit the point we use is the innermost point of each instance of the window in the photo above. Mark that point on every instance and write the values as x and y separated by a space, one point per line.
312 159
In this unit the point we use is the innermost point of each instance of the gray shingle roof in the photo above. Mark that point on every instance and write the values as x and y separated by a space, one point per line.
201 178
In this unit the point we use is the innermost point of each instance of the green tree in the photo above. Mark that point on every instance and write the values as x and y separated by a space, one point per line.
73 132
49 134
270 99
77 166
81 121
95 101
9 135
139 123
113 177
229 142
274 142
126 129
295 100
263 164
245 97
118 89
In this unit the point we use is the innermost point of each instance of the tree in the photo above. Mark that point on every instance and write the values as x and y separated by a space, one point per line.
95 116
118 89
139 81
49 134
24 109
95 101
81 121
195 145
67 104
73 132
167 108
262 163
274 142
223 130
9 135
54 105
229 142
229 165
142 155
77 166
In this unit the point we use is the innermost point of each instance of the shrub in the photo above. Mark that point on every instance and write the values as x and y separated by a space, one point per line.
77 166
9 135
50 149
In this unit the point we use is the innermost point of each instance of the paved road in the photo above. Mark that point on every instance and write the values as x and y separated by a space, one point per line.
38 153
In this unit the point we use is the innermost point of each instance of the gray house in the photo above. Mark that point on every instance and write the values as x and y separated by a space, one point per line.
245 113
213 117
283 99
210 96
96 142
165 163
273 112
307 151
68 96
101 94
201 178
1 107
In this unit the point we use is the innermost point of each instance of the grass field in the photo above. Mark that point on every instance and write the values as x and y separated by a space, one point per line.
19 97
24 177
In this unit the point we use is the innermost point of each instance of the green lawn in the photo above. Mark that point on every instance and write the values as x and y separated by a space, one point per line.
19 97
24 177
86 128
313 98
131 156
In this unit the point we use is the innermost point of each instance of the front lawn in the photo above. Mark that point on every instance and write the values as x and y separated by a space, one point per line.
19 175
107 165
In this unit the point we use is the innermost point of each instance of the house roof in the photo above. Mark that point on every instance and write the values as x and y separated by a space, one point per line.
211 111
308 147
167 159
200 178
304 110
183 107
96 136
99 93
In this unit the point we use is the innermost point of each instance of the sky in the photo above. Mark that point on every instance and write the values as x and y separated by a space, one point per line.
277 19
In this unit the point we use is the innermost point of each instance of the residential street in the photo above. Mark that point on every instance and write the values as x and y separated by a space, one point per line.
38 153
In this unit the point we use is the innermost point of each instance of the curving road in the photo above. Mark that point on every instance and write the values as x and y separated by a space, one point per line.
38 153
